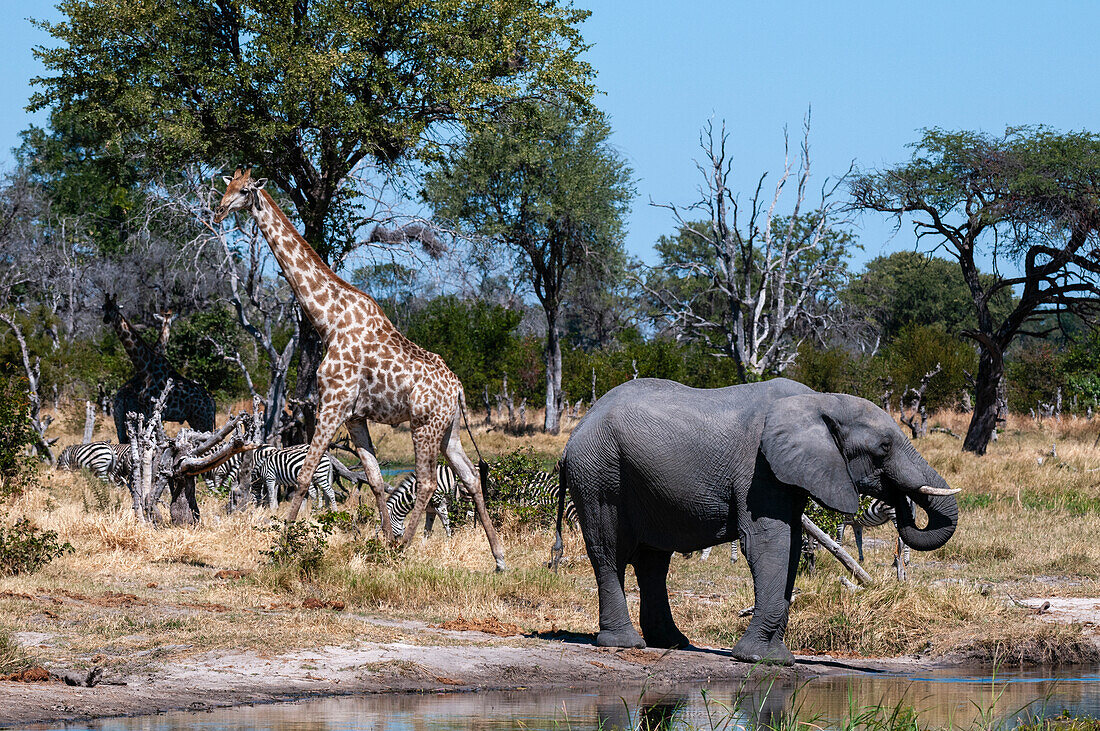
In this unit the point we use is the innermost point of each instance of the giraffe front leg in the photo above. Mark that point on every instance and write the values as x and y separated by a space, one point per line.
331 415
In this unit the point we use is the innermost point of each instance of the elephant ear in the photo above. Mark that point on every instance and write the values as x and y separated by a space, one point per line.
800 444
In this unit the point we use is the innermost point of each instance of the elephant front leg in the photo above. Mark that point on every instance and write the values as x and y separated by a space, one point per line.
772 548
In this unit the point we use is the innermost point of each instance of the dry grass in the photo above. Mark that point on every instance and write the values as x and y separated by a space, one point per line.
130 593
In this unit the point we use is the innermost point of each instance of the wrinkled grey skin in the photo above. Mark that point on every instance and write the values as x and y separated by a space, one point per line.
656 467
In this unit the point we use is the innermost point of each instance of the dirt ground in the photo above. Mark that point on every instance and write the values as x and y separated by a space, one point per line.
193 618
446 661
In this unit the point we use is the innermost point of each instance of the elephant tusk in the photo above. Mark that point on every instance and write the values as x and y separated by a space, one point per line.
941 491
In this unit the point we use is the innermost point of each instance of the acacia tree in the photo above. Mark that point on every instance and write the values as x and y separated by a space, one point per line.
1027 198
750 283
306 90
545 185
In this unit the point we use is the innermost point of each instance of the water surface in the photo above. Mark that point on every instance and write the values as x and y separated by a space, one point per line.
941 698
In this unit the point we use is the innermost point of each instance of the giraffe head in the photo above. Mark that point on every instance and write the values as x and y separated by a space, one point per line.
240 193
111 313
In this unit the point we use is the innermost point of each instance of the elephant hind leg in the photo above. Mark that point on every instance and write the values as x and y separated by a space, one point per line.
658 627
616 629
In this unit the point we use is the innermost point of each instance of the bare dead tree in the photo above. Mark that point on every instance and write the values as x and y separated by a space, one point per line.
32 370
913 412
764 281
163 464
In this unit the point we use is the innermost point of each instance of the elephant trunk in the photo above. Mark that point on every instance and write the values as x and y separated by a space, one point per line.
943 517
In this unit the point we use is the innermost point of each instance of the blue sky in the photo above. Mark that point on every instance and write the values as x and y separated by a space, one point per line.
874 74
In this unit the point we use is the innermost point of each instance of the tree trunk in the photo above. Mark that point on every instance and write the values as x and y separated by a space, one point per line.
310 352
89 422
986 402
552 424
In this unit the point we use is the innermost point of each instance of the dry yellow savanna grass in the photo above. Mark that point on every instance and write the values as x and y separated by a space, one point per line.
1025 530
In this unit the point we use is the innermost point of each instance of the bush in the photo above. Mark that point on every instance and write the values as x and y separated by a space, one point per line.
24 549
16 434
511 476
300 545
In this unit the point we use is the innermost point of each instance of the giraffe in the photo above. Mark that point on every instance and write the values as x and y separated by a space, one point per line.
188 401
370 372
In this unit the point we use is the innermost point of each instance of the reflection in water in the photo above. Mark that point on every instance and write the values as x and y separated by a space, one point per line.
940 700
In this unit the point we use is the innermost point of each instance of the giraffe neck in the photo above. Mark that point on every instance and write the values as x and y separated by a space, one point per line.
315 285
141 355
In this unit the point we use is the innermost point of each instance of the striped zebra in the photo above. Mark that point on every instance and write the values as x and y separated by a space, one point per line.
705 553
876 514
280 466
96 457
123 471
541 491
403 496
225 474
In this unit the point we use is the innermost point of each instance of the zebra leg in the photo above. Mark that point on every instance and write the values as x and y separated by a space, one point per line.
271 489
734 550
323 478
705 553
429 521
858 530
444 515
360 436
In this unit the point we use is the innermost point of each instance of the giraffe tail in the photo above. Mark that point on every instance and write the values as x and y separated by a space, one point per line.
482 465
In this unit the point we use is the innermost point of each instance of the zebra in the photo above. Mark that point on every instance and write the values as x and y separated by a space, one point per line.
876 514
96 457
541 491
281 465
705 553
226 473
123 471
403 496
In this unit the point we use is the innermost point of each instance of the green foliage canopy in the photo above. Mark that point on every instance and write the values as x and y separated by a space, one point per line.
305 89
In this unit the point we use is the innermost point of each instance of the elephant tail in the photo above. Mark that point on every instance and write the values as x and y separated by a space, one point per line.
558 548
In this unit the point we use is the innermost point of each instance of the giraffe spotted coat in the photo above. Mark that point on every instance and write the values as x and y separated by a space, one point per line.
370 371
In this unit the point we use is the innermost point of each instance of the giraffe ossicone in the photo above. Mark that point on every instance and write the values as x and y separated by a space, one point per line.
370 371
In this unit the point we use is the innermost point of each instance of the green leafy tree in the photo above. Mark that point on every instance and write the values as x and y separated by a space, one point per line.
475 338
916 351
546 186
907 287
1029 197
309 91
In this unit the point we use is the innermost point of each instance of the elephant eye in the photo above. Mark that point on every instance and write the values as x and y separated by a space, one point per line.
884 447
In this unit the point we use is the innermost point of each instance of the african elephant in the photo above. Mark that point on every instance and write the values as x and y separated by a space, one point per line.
656 467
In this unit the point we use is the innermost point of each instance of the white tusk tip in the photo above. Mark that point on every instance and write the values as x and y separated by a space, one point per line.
938 491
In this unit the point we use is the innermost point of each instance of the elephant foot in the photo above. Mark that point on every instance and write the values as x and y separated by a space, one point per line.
626 637
671 639
764 653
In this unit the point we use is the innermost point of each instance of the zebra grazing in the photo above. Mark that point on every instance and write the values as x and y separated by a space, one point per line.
225 474
96 457
403 496
123 471
541 492
280 466
876 514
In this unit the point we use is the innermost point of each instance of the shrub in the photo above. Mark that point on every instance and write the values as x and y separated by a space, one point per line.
24 549
511 476
16 434
299 545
